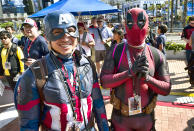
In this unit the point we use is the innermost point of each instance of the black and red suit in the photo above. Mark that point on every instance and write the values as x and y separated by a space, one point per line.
148 73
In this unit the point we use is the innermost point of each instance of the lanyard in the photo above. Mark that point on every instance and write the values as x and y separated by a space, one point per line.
29 46
130 66
65 72
136 81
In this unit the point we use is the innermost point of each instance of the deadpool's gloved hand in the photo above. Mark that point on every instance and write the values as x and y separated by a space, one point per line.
140 67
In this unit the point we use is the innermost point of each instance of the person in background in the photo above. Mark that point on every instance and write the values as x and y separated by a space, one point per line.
110 25
91 30
102 35
190 66
85 39
71 96
136 73
151 37
186 33
36 46
11 65
11 30
23 39
161 39
93 23
118 37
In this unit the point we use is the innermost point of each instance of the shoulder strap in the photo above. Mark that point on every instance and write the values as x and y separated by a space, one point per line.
118 54
156 56
84 36
99 33
39 70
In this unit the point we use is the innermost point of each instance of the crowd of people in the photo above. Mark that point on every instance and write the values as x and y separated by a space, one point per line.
56 76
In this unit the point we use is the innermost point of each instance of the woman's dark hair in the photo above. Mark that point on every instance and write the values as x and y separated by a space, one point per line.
5 33
119 32
9 26
163 28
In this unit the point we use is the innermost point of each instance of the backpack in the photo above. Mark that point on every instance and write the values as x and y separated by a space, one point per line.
13 59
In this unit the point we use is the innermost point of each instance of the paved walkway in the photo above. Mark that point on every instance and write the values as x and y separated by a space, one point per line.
178 116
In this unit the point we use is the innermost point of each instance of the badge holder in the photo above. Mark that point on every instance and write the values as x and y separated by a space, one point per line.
134 105
7 65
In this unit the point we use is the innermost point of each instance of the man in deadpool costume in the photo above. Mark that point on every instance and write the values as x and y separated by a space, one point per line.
135 73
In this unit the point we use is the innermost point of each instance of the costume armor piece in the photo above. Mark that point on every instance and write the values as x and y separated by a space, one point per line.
61 20
136 26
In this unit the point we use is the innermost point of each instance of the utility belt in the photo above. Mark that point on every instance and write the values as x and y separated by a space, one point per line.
118 105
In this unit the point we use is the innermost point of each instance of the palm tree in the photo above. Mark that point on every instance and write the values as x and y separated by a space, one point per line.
176 6
172 7
152 8
185 12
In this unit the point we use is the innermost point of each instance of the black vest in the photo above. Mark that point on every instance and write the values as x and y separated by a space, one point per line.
13 59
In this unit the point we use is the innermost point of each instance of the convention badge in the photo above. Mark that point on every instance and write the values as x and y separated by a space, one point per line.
16 77
2 87
134 104
7 65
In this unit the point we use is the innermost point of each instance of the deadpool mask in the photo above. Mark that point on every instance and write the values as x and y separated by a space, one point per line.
136 26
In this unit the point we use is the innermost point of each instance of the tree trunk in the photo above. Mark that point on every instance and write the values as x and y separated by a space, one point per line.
172 7
1 10
175 14
185 13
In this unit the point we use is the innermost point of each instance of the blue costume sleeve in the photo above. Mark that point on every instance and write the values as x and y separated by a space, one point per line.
27 102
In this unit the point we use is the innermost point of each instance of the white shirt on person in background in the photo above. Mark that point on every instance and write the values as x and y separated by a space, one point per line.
88 39
105 33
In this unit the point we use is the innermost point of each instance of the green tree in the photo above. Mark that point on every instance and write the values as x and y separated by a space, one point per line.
29 6
152 8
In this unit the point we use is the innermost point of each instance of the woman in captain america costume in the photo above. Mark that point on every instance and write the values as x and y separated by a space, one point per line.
135 72
71 95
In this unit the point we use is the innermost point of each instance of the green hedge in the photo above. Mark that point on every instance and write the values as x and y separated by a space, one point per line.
174 46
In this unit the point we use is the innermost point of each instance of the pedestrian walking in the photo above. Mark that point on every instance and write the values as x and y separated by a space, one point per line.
102 35
186 35
161 39
135 72
11 65
70 96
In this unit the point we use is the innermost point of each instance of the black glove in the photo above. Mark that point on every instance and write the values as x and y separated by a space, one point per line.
140 67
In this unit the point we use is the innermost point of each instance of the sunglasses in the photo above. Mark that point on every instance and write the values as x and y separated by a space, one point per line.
3 38
192 23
